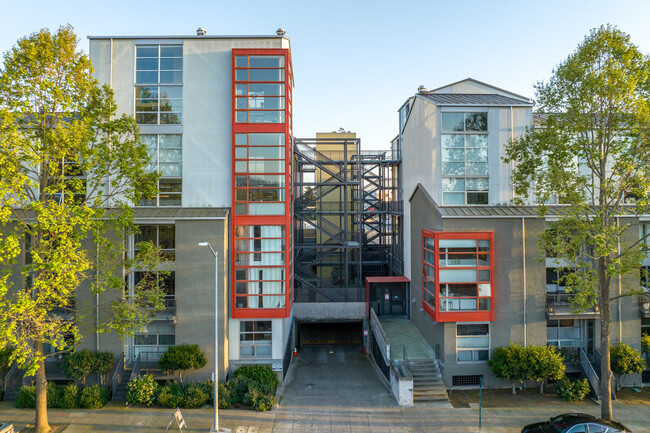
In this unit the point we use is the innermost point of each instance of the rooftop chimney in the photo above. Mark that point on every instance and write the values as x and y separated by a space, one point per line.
200 31
422 89
280 32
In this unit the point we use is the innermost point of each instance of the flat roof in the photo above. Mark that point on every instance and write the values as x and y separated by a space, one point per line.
192 37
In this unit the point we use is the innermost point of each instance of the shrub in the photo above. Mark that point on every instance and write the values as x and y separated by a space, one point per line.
624 360
26 397
510 363
182 358
53 395
258 399
171 395
142 390
572 389
102 365
69 398
238 388
544 363
645 345
225 397
79 364
94 397
195 396
258 373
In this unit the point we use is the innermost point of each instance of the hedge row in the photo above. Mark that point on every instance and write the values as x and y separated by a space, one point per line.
69 396
252 386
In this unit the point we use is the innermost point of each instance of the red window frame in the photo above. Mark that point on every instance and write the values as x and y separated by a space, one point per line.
456 316
281 219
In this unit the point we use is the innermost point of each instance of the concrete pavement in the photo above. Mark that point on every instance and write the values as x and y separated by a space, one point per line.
325 392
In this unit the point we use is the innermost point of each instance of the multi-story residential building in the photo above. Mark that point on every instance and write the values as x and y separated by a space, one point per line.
216 114
477 272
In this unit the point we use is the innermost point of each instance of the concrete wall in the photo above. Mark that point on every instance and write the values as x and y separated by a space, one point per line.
329 310
195 290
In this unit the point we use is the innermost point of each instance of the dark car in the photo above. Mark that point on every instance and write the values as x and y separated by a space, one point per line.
575 423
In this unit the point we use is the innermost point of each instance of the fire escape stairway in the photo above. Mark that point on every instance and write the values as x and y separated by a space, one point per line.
310 279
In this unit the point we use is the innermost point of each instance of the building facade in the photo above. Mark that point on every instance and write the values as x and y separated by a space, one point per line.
216 115
478 275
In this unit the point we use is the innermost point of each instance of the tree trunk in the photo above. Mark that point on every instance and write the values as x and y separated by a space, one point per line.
514 391
541 387
41 424
605 371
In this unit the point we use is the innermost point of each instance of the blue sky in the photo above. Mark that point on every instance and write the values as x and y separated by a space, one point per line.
357 61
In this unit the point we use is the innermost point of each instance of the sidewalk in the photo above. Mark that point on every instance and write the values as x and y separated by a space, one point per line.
417 419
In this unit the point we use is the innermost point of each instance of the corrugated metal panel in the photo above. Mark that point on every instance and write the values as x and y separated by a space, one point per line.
473 99
177 213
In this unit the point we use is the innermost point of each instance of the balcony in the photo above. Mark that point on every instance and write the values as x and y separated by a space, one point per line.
644 305
560 306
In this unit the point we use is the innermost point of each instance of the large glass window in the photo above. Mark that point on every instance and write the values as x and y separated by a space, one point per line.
464 145
563 333
259 266
472 342
259 94
255 338
158 79
260 165
166 153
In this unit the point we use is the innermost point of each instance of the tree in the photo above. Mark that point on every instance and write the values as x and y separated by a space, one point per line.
591 153
625 360
510 363
78 365
545 363
182 358
103 364
70 169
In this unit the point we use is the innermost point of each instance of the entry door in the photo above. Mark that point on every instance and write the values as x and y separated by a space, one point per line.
392 300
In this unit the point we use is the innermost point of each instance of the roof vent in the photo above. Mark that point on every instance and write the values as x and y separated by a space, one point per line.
200 31
280 32
422 89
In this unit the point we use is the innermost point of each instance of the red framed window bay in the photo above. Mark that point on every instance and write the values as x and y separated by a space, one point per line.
458 276
261 282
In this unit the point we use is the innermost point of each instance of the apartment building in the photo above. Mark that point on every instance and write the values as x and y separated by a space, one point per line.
216 115
478 275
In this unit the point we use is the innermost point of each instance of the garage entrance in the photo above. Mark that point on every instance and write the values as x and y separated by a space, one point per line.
330 333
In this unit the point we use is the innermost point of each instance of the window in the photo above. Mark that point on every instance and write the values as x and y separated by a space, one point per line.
162 236
259 89
255 339
260 165
166 152
458 275
472 342
259 266
66 181
563 333
158 78
464 158
153 340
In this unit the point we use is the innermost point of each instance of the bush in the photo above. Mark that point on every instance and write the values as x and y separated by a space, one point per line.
572 389
103 364
238 388
195 396
26 397
69 397
142 390
225 398
94 397
182 358
510 363
645 345
79 364
258 398
171 395
258 373
624 360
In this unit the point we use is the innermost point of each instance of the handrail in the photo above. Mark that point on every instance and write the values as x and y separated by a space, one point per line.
592 376
117 375
136 369
8 377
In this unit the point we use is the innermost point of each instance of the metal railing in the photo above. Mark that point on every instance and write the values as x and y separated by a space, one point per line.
591 374
564 300
13 378
137 366
117 376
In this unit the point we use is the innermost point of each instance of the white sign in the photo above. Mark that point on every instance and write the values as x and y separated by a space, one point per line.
365 332
387 296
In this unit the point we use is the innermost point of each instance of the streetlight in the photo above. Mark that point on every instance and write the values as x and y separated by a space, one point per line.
215 426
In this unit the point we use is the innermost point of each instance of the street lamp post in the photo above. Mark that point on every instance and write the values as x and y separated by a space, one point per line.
215 426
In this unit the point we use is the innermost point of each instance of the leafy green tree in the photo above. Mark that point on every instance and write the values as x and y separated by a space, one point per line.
510 363
591 153
78 365
66 159
544 363
625 360
103 364
182 358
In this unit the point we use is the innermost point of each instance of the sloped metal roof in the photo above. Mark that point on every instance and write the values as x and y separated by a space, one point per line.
473 99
